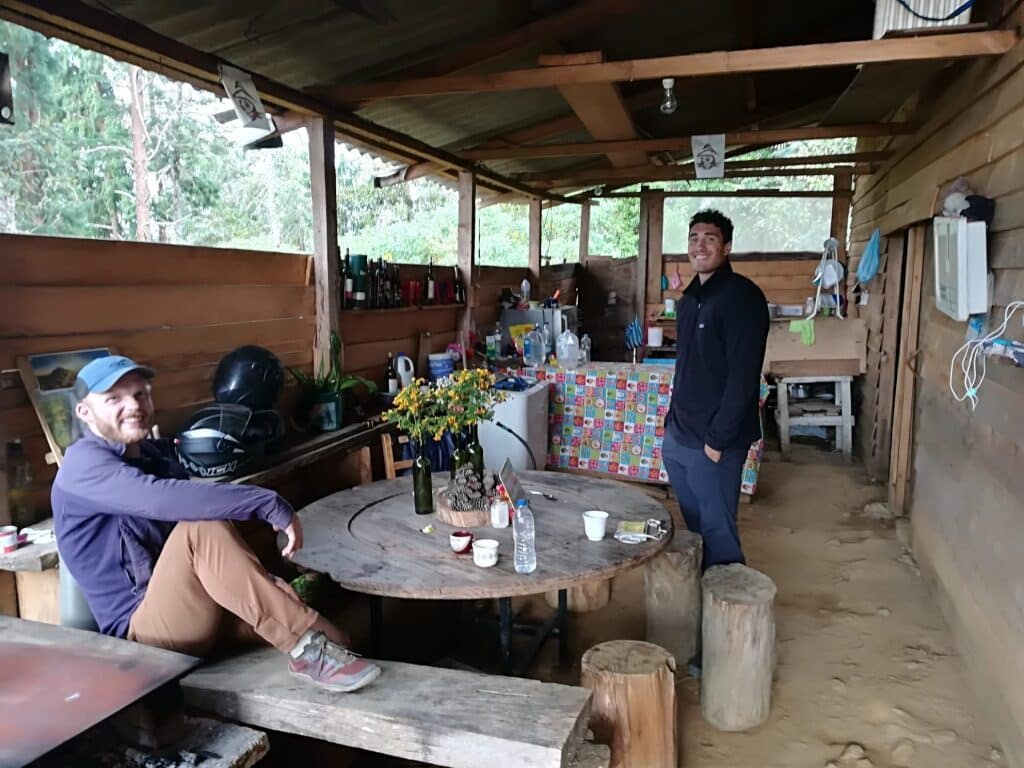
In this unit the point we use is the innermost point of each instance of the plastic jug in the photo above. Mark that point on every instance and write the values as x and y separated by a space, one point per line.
533 348
568 350
406 370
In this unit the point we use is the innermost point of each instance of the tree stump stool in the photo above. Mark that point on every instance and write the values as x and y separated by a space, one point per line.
738 641
584 597
672 592
634 705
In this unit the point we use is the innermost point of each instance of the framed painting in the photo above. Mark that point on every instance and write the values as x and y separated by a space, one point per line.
49 380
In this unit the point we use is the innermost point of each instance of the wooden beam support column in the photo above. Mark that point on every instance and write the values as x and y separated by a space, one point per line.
842 197
655 234
325 237
640 285
467 243
535 242
584 232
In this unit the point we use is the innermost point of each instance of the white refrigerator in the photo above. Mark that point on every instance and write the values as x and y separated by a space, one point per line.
526 414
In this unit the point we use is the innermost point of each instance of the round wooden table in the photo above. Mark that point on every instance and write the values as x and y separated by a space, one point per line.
368 539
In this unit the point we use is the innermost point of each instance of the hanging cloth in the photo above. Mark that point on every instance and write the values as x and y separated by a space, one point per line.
868 266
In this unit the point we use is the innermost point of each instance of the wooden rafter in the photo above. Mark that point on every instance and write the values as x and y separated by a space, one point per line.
686 173
951 45
581 16
610 174
677 143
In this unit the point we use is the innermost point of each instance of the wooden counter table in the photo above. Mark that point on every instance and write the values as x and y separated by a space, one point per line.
369 540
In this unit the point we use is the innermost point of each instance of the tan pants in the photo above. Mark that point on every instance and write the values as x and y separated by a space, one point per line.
209 590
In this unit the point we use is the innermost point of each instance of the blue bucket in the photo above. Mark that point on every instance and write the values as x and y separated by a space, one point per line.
441 364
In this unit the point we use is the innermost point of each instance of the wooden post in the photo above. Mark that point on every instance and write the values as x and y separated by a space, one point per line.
535 243
634 705
640 286
903 414
584 232
878 453
672 591
325 237
842 196
584 598
467 243
655 261
738 647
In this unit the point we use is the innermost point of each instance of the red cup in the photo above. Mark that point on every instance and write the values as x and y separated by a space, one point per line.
460 542
8 539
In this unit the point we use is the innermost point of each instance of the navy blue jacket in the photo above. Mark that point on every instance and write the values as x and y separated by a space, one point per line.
112 516
722 332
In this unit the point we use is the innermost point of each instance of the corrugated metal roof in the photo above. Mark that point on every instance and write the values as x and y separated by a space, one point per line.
302 43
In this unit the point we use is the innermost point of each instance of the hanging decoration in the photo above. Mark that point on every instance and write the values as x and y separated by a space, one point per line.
709 156
6 95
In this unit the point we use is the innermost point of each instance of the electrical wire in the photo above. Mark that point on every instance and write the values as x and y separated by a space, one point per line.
971 352
956 12
526 445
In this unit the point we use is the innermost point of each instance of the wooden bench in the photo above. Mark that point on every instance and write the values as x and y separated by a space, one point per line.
432 715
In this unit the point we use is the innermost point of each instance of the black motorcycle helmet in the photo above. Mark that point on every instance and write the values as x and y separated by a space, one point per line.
250 376
220 439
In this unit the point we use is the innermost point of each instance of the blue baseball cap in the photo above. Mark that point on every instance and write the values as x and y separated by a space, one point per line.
101 374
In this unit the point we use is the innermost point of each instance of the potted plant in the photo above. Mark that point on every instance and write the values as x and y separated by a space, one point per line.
419 411
326 393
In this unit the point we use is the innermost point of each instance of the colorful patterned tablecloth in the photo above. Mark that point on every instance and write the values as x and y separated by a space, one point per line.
610 418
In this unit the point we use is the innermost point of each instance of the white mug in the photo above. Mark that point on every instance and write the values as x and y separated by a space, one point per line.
485 552
8 539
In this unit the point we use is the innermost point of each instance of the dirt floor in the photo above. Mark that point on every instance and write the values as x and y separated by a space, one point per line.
867 675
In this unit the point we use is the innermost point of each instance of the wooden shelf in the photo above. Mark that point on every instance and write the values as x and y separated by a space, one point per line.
429 308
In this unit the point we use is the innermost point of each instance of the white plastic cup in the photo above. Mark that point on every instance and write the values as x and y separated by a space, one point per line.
594 524
8 539
485 552
655 336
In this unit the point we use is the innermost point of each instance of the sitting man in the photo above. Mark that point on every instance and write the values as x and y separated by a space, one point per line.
158 556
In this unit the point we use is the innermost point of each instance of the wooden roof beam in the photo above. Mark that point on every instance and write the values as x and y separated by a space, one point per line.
686 173
952 45
611 174
599 107
681 143
581 16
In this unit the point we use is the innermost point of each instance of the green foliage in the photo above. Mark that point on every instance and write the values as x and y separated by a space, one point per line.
331 378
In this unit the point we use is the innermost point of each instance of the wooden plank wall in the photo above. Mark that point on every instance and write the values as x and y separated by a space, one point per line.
561 277
606 323
967 485
785 278
176 308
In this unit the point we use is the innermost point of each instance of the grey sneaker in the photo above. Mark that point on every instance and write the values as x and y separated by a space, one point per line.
333 666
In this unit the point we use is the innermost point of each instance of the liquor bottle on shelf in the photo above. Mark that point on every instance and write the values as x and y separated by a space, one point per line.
459 288
391 375
359 281
371 285
429 286
346 283
384 300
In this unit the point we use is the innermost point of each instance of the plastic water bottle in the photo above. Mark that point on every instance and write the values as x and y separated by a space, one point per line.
533 348
568 350
524 538
548 337
524 289
585 349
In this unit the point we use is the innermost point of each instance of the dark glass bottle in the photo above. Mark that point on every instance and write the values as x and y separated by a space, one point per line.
475 450
429 286
391 375
346 282
460 456
422 485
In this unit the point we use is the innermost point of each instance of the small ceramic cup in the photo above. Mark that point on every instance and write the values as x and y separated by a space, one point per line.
485 552
594 524
460 542
8 539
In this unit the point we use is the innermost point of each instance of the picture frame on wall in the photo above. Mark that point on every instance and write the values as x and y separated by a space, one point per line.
49 380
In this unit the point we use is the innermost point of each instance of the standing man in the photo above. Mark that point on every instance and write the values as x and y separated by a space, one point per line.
713 417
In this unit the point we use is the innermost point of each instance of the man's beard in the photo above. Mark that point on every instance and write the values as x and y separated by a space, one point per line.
115 433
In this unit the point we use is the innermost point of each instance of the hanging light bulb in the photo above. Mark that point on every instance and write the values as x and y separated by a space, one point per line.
668 101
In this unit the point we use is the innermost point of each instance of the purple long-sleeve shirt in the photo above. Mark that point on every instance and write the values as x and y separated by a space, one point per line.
112 516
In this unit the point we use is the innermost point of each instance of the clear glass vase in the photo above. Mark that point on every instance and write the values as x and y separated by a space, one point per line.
422 485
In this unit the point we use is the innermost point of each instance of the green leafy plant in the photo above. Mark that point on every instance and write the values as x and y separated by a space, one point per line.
330 378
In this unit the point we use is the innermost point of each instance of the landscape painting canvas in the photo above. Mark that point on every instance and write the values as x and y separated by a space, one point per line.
49 380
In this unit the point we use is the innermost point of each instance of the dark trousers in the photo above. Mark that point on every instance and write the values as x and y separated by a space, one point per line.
708 495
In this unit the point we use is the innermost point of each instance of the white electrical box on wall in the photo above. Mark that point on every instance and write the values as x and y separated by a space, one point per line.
961 267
